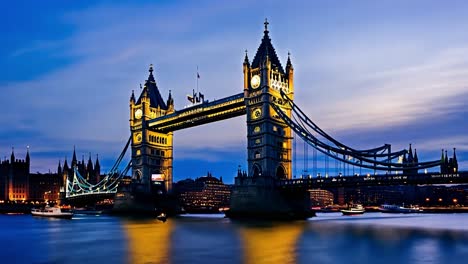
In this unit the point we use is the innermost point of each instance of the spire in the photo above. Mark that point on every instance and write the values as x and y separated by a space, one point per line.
28 159
59 168
170 101
132 98
410 154
442 162
12 157
151 77
289 64
90 163
74 160
65 165
151 90
97 161
266 51
416 160
446 163
246 59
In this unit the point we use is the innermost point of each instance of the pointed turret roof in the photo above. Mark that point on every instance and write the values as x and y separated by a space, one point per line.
74 160
410 154
59 168
65 165
12 157
289 66
246 59
153 92
96 164
266 50
90 163
416 160
454 155
27 155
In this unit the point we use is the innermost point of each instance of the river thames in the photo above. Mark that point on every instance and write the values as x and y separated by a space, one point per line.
327 238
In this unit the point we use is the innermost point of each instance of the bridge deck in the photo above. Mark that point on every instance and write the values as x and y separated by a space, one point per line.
206 112
375 180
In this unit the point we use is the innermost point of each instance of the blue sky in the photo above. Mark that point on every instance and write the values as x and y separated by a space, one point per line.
368 72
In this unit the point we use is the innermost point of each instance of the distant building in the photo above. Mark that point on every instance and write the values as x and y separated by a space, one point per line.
204 194
19 185
44 187
92 173
14 178
319 197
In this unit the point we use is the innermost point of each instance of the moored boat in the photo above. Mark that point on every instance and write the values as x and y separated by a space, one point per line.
162 217
49 211
392 208
355 209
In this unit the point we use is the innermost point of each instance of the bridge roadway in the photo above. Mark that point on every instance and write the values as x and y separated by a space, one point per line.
200 114
375 180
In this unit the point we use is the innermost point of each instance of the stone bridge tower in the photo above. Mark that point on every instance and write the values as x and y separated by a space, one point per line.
256 194
269 138
151 151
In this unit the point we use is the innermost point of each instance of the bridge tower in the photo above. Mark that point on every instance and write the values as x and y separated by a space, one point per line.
257 193
269 138
151 151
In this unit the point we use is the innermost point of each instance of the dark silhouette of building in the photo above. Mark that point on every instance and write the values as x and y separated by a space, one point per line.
448 165
204 194
92 173
44 187
17 184
14 178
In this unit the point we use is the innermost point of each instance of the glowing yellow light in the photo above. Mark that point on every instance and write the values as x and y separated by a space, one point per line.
270 244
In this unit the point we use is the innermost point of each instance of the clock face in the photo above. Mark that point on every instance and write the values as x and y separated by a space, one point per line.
138 114
256 113
255 82
138 138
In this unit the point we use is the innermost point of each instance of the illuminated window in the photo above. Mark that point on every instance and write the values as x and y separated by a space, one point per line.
257 155
258 141
257 129
275 128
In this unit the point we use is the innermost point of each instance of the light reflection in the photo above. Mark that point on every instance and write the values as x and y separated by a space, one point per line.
149 241
270 243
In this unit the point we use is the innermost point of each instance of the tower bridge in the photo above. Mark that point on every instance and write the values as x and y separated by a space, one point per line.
267 188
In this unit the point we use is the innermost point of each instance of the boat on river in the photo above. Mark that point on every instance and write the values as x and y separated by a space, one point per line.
355 209
392 208
49 211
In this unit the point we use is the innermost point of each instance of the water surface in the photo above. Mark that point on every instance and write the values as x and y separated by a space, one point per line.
327 238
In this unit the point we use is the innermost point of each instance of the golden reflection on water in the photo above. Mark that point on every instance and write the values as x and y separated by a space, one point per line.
274 243
149 241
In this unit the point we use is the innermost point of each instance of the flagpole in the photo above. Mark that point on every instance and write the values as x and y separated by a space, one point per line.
197 79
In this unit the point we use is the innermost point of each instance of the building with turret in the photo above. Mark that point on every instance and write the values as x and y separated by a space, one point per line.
448 165
14 178
92 173
17 184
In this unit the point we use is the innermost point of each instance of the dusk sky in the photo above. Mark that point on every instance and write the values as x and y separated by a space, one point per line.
367 72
